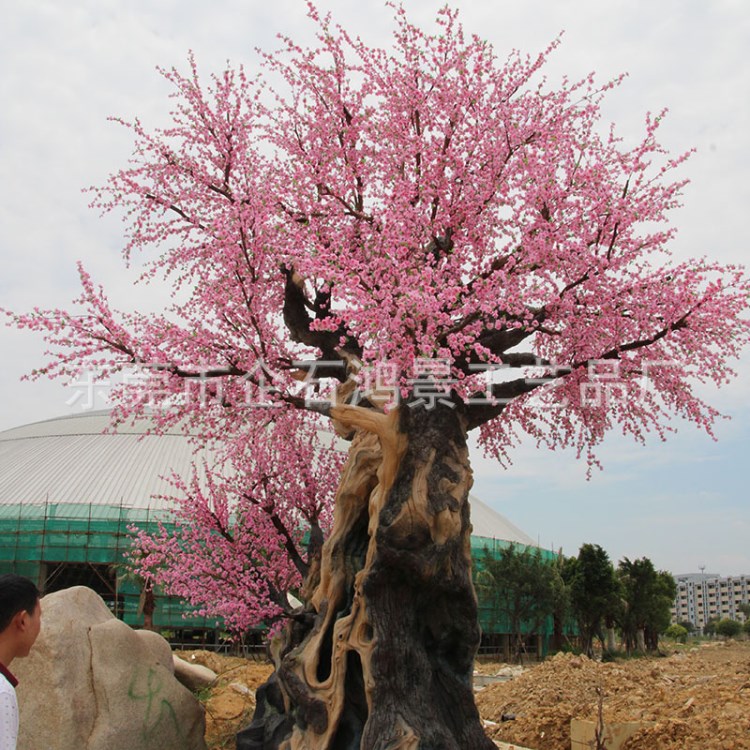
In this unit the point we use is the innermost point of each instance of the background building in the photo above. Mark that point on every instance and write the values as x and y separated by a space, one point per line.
69 491
707 596
68 495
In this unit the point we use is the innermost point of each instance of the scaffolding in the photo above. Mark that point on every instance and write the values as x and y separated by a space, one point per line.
495 625
58 545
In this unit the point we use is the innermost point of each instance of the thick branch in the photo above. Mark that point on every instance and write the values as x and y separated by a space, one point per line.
298 321
289 542
369 420
298 402
488 406
290 545
212 373
614 353
498 342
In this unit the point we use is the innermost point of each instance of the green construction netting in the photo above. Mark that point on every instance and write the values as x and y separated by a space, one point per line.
490 618
34 539
40 541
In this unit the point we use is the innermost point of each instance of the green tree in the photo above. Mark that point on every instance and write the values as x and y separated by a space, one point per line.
688 625
665 591
710 627
648 596
524 588
746 627
563 613
728 628
677 632
595 594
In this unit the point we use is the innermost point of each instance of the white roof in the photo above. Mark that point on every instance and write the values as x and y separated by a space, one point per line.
489 523
71 460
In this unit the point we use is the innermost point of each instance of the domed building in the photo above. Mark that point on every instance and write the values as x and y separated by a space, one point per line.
69 493
70 490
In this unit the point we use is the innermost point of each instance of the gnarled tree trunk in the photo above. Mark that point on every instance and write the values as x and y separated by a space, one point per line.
382 657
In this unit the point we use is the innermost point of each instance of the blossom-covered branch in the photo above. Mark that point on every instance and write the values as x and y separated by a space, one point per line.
245 527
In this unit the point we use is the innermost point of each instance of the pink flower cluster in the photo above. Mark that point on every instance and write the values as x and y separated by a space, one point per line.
234 543
425 202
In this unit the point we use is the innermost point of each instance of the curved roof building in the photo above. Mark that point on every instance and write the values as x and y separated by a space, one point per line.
73 461
69 490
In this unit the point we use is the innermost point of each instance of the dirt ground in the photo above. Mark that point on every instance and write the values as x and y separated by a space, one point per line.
694 699
230 702
697 698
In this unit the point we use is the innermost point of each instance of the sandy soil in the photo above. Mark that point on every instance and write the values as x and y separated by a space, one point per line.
230 702
694 699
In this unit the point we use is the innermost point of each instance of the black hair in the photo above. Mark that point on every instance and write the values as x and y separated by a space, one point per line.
16 593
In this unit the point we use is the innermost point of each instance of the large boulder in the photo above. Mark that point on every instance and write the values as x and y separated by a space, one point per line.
193 676
93 683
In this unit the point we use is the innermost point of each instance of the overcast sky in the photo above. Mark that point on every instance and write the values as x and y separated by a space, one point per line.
66 67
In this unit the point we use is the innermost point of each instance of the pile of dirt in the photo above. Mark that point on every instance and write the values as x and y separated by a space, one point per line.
698 699
230 702
693 700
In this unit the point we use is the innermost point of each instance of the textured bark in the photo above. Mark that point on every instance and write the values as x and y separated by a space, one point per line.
611 640
640 641
382 656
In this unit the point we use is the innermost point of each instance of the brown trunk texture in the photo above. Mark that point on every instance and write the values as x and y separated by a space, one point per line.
382 657
147 605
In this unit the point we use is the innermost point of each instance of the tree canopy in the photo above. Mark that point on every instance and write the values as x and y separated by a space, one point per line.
595 593
523 588
728 627
648 596
389 216
246 528
417 242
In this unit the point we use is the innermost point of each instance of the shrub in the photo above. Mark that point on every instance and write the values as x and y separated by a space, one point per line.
677 633
728 628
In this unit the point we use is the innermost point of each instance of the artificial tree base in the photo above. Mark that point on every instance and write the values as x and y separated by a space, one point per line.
382 656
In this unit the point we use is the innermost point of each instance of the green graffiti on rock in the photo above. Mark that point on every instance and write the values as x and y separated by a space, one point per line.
160 718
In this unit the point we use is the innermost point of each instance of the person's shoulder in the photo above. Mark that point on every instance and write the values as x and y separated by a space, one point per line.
5 686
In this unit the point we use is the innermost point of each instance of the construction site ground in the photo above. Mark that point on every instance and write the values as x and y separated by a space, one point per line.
695 697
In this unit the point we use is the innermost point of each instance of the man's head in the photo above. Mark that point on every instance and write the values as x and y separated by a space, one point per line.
20 614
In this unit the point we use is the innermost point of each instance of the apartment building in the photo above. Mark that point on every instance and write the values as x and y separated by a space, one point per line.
703 596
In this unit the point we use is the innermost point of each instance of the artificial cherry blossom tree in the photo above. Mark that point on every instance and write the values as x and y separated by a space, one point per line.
245 527
414 242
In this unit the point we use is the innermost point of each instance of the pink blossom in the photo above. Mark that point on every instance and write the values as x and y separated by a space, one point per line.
385 206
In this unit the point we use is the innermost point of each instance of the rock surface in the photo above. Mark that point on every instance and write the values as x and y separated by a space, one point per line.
192 676
93 683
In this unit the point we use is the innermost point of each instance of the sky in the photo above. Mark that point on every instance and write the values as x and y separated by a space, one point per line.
66 67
